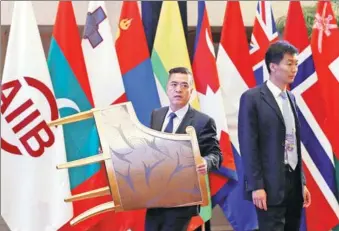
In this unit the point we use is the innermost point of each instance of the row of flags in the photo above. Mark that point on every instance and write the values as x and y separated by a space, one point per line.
96 70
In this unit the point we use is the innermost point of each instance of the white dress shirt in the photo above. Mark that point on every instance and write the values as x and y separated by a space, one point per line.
276 94
177 120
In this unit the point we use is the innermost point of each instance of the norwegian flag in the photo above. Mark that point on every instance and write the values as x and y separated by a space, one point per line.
264 33
317 154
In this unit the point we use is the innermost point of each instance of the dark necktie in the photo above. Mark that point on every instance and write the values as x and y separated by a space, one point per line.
169 127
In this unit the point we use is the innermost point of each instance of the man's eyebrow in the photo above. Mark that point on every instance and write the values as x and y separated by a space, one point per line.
173 81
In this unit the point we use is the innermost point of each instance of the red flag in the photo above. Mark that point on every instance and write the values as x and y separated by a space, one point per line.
325 48
235 76
211 102
317 157
66 41
130 27
210 97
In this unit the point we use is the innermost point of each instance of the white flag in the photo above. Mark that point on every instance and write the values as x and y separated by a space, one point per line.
32 189
100 56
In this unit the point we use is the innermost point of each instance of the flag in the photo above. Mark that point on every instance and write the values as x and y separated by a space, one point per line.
135 63
72 89
316 151
33 190
150 17
235 76
325 48
107 86
101 58
170 50
138 80
264 33
211 102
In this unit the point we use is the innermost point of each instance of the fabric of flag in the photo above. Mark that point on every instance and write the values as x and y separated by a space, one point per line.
264 33
170 50
325 48
106 85
135 63
322 100
138 80
72 90
150 17
316 150
235 76
33 190
101 58
211 102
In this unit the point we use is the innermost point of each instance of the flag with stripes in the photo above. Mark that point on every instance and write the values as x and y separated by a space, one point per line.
73 93
211 102
135 63
170 50
235 76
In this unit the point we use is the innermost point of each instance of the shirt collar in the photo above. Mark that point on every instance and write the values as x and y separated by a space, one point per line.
273 88
180 113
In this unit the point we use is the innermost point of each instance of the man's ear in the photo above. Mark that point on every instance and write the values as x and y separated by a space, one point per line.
273 67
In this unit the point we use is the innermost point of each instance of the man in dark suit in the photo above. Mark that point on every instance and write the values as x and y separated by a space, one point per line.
175 119
269 139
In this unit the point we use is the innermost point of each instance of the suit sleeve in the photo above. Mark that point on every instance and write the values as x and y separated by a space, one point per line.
209 145
152 120
248 130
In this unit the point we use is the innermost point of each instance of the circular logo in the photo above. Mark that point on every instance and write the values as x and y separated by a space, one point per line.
14 87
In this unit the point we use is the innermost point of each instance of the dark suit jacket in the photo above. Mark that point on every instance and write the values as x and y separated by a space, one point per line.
207 138
261 133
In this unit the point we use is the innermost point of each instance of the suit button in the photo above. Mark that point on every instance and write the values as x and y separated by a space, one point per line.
283 144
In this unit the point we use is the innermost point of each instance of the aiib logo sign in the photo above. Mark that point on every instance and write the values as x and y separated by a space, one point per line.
23 117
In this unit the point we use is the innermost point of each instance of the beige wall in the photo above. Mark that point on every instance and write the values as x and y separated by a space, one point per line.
46 10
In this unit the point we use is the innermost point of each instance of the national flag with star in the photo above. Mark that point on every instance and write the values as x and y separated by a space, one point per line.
170 50
135 63
235 76
264 33
33 190
72 90
317 153
325 48
211 102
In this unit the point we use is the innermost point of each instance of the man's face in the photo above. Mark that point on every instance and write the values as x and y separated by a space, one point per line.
179 90
286 70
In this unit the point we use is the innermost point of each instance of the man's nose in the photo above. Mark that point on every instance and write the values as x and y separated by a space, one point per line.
295 68
178 88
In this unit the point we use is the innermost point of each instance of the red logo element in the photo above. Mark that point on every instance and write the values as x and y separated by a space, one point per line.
46 141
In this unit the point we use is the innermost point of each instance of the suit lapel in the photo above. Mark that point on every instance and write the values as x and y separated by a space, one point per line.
186 121
294 108
160 118
270 100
